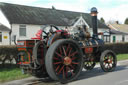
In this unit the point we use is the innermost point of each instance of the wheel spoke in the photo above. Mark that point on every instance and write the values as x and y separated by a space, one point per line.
111 59
64 51
61 69
66 71
105 63
69 52
63 74
55 58
74 58
60 50
59 54
75 63
57 63
109 66
106 60
74 53
68 48
57 67
107 56
72 67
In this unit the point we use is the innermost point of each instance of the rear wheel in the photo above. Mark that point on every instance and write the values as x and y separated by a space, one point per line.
38 66
108 61
64 60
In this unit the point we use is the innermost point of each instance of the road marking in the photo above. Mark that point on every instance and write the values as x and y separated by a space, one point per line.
121 82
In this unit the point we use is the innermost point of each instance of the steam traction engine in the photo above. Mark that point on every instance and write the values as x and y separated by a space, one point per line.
56 54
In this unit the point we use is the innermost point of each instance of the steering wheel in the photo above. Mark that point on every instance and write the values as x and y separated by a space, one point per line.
50 30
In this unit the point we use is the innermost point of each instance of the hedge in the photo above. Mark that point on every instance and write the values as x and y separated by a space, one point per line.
8 54
118 48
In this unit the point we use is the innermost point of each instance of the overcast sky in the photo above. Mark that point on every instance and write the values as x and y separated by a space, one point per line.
108 9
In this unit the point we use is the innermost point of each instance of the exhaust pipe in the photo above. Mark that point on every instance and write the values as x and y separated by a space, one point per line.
94 21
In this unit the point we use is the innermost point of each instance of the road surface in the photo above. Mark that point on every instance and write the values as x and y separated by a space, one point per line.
98 77
93 77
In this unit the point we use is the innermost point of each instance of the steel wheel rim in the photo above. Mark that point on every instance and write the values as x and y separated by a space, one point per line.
66 61
109 61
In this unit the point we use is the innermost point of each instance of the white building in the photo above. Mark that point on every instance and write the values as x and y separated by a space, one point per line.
4 35
119 32
117 36
25 21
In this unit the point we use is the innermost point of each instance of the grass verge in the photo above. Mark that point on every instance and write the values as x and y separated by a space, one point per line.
122 57
8 74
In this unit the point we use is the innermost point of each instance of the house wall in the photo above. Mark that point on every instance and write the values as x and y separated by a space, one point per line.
5 38
31 30
99 30
118 38
102 30
126 38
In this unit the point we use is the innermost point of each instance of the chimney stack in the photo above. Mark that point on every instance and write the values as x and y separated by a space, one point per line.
117 22
94 21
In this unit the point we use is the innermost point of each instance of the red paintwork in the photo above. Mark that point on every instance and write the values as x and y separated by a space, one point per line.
58 30
89 50
27 47
65 32
38 35
27 43
69 61
101 33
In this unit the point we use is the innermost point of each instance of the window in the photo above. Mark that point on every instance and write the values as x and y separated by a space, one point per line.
0 36
22 30
106 38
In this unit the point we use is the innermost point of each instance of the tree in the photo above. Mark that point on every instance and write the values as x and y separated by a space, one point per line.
126 21
102 20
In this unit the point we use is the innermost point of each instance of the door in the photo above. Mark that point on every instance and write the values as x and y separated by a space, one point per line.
114 39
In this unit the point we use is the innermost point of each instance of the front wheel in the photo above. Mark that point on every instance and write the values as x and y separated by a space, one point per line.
108 61
64 60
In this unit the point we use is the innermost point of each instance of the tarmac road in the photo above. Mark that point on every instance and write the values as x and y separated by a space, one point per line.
98 77
93 77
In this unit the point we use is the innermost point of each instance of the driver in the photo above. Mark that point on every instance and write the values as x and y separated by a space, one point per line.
84 32
87 34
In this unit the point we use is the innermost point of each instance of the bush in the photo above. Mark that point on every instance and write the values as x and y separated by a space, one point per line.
118 48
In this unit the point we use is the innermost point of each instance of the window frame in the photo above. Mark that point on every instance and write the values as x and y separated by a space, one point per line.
21 27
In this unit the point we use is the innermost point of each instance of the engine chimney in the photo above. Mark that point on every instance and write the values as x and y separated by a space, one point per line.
94 21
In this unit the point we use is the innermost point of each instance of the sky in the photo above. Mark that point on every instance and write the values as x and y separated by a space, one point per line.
110 10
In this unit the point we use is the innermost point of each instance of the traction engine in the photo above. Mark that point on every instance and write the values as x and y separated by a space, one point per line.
56 54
